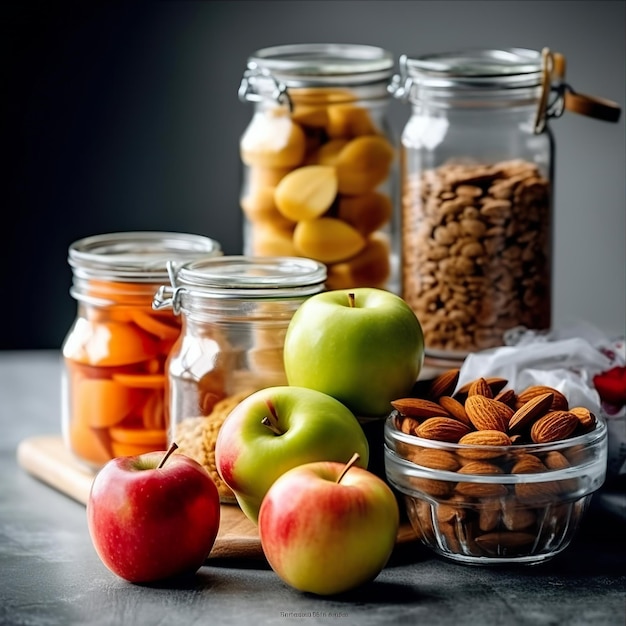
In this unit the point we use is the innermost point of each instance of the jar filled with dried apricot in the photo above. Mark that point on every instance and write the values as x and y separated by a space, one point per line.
235 311
477 192
319 160
114 354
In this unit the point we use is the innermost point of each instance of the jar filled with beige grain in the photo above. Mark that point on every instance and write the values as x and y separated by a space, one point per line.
477 168
319 160
234 311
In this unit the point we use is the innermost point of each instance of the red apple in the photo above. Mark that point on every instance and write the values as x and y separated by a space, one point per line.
328 527
153 517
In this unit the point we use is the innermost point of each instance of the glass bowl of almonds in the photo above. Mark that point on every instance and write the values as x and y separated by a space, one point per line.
491 475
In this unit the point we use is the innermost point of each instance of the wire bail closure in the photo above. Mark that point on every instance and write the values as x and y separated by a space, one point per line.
168 296
248 91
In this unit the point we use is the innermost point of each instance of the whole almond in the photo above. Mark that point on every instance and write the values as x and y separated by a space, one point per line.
442 429
586 419
483 438
455 409
517 517
528 464
480 387
443 384
553 426
505 543
507 396
496 383
408 425
487 413
418 408
559 401
530 411
435 459
480 489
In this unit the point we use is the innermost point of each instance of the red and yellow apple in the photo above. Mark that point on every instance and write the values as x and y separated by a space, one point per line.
278 428
364 347
153 516
328 527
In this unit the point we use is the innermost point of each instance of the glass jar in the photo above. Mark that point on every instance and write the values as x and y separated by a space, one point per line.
477 193
319 162
235 311
114 354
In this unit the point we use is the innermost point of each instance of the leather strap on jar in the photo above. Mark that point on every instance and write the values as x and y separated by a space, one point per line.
567 98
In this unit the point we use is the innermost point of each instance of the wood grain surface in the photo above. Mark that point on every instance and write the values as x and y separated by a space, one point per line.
45 457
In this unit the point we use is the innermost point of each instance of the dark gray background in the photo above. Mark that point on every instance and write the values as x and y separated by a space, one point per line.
124 116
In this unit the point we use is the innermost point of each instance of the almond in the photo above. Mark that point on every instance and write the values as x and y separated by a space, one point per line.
555 460
443 384
517 518
489 516
505 543
496 384
435 459
419 408
481 489
455 409
553 426
487 413
586 419
442 429
530 411
528 464
483 438
480 387
559 401
408 425
507 396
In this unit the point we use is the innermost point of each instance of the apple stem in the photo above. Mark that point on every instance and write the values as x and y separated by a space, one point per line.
351 300
167 455
355 457
271 420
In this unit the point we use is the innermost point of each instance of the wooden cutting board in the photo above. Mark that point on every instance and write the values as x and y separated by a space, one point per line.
46 458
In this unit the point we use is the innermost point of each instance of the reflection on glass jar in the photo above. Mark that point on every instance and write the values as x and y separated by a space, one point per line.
319 160
235 311
115 352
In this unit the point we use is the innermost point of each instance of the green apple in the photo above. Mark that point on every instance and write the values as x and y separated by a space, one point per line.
326 528
278 428
363 346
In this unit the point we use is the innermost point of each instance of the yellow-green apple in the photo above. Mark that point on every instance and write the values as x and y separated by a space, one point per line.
328 527
278 428
363 346
153 516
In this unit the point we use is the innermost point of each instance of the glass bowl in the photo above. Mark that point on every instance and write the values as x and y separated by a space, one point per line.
489 505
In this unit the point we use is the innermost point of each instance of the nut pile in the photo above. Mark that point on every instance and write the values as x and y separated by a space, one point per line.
476 252
484 413
492 518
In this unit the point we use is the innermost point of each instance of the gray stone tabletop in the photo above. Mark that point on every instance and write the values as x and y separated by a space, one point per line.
50 573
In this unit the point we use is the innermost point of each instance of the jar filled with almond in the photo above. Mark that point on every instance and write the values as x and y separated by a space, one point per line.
115 351
319 160
477 192
235 311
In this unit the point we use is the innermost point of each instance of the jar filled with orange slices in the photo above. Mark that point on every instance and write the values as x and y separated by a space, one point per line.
235 311
114 354
319 160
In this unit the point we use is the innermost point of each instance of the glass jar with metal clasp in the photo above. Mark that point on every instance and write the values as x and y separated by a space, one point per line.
477 195
234 311
319 160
